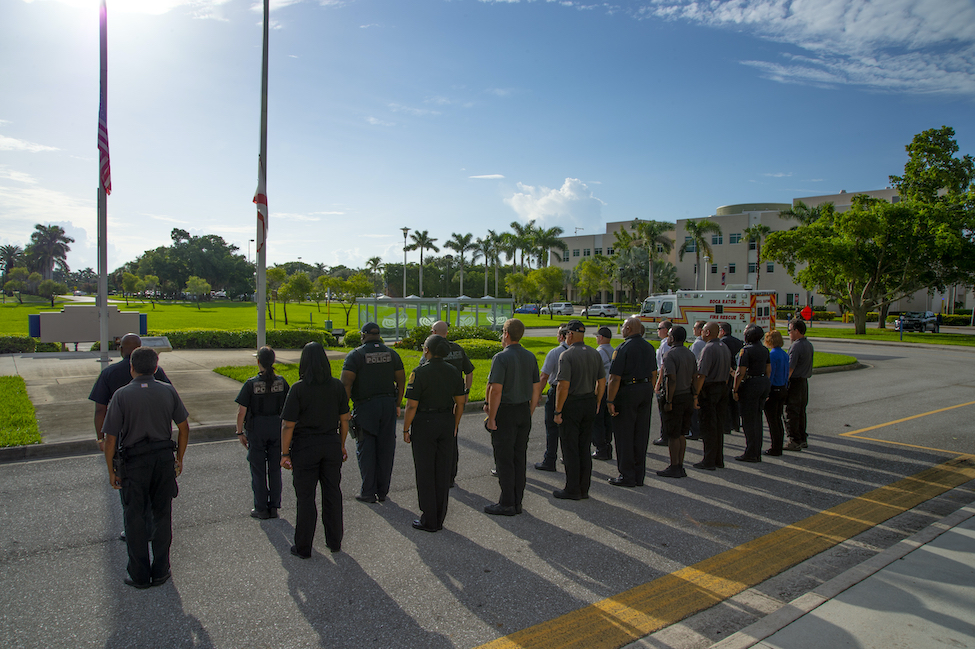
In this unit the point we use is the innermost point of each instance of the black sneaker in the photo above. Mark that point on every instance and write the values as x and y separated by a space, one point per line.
672 472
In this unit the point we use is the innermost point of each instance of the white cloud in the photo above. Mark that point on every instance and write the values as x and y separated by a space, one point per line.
293 217
779 174
920 46
18 176
369 26
487 177
13 144
378 122
168 219
416 112
572 202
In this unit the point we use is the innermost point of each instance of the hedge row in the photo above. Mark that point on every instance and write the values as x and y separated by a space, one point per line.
25 345
480 349
217 339
417 335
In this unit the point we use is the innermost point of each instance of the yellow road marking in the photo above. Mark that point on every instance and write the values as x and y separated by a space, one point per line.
898 421
639 611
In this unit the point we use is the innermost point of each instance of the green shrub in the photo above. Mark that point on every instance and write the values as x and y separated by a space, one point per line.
352 339
480 349
218 339
47 347
17 344
417 335
957 319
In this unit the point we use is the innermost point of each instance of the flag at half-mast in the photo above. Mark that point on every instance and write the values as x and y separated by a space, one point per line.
104 170
260 197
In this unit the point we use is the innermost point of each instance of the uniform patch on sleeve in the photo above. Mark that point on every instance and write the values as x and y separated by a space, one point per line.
412 376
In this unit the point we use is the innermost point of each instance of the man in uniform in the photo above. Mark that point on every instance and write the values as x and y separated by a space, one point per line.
602 425
797 397
663 333
733 421
711 387
632 376
374 379
513 391
113 377
678 373
458 358
138 428
550 367
435 398
696 348
582 381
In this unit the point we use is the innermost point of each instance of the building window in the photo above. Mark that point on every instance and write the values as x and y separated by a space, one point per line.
714 269
690 245
731 269
575 252
586 252
599 251
734 237
660 247
752 267
752 244
717 239
770 267
609 252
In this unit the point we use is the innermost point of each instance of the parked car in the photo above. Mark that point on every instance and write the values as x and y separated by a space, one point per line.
918 321
558 308
601 310
527 308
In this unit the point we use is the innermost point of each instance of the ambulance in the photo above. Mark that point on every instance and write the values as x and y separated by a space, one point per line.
738 305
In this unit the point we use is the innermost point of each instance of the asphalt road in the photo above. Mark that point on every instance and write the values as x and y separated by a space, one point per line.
236 585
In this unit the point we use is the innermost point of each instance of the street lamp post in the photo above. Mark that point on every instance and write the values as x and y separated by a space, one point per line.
405 232
249 242
707 270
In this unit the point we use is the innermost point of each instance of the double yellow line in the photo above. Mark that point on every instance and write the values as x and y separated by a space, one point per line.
635 613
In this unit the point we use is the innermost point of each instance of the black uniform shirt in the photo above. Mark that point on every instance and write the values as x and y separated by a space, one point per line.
581 366
801 358
458 358
754 358
434 385
261 399
734 346
145 409
315 407
516 370
634 359
375 366
115 376
715 362
681 364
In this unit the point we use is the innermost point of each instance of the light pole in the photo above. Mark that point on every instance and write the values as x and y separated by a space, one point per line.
249 242
707 270
406 231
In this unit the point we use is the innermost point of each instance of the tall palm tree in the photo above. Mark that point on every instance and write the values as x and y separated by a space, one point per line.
461 244
421 242
547 239
10 257
521 239
652 234
498 245
374 265
803 213
485 248
697 232
756 233
49 248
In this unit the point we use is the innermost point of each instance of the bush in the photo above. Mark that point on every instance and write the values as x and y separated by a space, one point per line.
480 349
352 339
417 335
219 339
47 347
17 345
957 319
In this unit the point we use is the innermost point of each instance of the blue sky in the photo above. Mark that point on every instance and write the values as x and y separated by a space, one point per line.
461 115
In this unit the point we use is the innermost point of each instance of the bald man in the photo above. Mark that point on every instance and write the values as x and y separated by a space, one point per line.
711 388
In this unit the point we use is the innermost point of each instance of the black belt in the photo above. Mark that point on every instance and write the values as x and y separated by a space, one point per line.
632 381
435 409
147 446
576 397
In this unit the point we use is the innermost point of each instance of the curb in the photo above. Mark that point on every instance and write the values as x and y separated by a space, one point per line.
775 622
895 343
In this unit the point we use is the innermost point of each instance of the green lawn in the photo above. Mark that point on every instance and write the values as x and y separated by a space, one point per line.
18 425
891 336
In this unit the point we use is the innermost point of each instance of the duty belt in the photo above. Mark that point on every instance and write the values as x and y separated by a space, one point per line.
632 381
435 409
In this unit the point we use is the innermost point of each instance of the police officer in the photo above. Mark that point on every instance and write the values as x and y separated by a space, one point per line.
711 388
435 397
512 393
374 379
797 398
550 368
632 376
663 333
602 425
678 371
138 427
582 380
458 358
734 345
261 400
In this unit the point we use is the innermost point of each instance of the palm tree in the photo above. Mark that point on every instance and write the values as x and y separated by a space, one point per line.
485 248
696 241
10 257
462 244
651 234
521 240
756 233
421 242
803 213
374 265
498 245
547 239
49 248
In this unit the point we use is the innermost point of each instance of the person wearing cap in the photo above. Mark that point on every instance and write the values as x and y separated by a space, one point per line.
374 379
582 381
663 332
734 345
513 391
458 358
435 397
697 347
550 367
678 373
711 388
632 375
602 425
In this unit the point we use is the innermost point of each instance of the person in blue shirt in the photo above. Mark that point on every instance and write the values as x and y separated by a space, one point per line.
779 379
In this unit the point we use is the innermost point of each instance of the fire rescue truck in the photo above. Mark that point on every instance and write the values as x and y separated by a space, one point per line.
739 306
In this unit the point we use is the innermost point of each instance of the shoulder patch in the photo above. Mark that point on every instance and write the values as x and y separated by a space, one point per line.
278 385
614 354
412 376
260 387
379 357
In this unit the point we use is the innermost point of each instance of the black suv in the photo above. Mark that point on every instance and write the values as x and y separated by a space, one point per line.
918 321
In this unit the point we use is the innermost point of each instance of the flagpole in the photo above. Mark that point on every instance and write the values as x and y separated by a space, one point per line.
262 185
104 186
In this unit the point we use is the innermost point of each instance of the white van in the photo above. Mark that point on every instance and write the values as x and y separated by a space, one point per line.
739 306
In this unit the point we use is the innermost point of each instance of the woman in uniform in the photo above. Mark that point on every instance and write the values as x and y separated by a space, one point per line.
315 423
751 390
259 430
434 406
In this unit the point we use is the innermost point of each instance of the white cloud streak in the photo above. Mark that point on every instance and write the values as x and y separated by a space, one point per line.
573 201
487 177
13 144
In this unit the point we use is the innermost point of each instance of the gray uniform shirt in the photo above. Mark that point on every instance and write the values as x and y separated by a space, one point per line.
801 359
697 347
715 362
550 365
516 370
143 410
606 351
581 366
680 364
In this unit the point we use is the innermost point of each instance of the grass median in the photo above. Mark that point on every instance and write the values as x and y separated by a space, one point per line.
892 337
18 424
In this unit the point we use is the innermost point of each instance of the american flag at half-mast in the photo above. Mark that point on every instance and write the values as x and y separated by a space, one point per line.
104 170
260 197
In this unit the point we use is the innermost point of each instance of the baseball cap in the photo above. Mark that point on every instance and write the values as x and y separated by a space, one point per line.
576 326
370 328
605 332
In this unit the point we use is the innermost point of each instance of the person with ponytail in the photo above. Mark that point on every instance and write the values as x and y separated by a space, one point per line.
261 400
